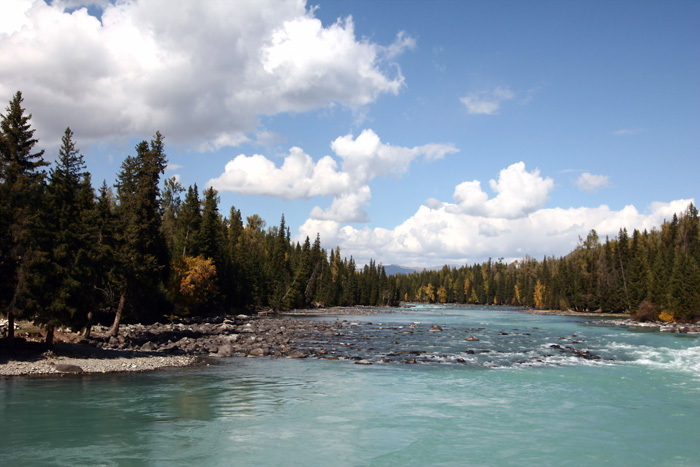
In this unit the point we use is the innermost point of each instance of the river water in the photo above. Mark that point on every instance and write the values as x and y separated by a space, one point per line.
533 390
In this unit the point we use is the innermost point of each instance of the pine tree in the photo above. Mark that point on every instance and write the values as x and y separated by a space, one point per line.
108 272
141 252
21 186
188 224
68 238
684 289
171 206
210 234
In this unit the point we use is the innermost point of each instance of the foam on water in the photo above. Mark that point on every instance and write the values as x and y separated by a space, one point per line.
685 360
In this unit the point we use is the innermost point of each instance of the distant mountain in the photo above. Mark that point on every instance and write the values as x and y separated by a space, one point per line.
392 269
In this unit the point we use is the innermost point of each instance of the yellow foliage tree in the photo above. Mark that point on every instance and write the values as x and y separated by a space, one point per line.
667 317
539 294
195 282
442 294
516 299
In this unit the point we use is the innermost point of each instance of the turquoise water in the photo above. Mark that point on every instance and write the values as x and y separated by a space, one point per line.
521 403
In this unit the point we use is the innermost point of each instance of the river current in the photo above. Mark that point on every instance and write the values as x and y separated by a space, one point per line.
532 390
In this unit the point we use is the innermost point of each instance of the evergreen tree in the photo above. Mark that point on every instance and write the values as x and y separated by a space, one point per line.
210 234
21 186
141 252
171 205
684 288
108 272
67 239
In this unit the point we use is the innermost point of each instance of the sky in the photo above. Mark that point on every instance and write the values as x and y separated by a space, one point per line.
418 133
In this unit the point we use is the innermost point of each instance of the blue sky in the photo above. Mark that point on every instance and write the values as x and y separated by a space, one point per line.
412 132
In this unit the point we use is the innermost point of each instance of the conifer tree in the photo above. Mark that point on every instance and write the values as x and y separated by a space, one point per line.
21 185
66 239
188 224
171 205
210 235
141 251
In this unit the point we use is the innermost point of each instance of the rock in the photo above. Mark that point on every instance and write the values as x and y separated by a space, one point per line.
363 362
258 352
148 346
472 339
67 368
296 354
435 328
225 351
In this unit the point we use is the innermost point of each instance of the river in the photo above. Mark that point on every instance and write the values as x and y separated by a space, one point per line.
533 390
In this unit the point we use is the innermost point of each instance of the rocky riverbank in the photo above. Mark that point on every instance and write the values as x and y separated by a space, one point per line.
148 347
679 328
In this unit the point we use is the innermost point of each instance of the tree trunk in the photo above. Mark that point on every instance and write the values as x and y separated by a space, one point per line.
114 330
88 326
49 335
10 329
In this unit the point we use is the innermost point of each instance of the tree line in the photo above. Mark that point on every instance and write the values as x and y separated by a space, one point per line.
145 248
651 274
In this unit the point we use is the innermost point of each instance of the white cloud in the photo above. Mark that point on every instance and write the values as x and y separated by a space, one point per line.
487 102
362 159
432 237
200 73
298 177
519 193
468 232
592 183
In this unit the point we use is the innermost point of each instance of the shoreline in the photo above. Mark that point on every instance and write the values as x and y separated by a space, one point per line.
141 348
35 359
586 314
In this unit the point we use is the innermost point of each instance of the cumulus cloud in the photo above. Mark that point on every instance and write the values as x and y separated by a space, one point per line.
298 176
362 159
518 193
200 73
468 231
592 183
432 237
487 102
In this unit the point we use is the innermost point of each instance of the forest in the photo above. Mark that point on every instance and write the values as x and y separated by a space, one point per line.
148 249
653 275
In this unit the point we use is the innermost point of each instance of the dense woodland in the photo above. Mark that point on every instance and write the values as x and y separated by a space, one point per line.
146 249
652 274
150 249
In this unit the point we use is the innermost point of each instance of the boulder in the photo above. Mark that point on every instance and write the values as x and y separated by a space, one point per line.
148 346
296 354
67 368
258 352
435 328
